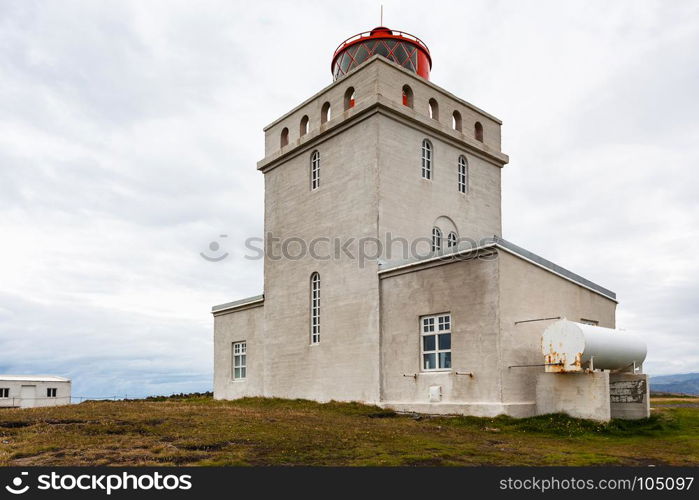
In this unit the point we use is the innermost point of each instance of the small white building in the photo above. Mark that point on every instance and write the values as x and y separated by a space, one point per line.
28 391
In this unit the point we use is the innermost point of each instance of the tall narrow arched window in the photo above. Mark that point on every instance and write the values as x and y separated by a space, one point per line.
325 113
407 96
303 127
349 98
426 159
478 131
284 139
434 109
456 121
315 169
452 239
436 239
315 308
463 174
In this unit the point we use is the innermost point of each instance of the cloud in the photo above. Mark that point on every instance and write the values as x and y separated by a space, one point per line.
129 134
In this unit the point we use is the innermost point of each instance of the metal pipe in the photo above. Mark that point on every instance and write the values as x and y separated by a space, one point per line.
542 364
538 319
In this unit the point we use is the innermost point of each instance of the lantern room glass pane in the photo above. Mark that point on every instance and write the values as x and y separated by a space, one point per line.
362 54
399 54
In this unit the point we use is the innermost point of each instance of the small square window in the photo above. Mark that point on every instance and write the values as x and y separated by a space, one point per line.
51 392
4 392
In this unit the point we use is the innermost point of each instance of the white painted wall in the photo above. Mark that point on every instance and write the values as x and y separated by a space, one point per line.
31 394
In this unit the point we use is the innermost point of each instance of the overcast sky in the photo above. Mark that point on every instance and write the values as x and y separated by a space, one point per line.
129 133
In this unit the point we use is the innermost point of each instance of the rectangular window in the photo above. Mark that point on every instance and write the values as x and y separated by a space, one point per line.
51 392
589 322
315 170
435 342
426 159
315 308
4 392
240 363
463 175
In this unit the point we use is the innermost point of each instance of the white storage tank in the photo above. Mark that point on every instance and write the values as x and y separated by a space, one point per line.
573 347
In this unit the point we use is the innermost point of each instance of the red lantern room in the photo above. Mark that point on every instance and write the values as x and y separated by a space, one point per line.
403 49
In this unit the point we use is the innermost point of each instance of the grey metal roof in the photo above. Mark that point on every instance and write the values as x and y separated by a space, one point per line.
552 267
237 303
32 378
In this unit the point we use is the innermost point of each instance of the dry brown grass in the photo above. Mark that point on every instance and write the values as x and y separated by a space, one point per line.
201 431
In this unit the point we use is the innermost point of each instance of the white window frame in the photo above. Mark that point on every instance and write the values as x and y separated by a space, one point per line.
436 239
315 308
463 174
434 326
239 354
315 170
51 392
4 392
427 157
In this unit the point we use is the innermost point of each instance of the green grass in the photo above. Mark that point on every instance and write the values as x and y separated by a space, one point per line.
197 430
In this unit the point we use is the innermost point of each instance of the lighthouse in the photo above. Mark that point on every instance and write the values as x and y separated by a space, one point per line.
386 276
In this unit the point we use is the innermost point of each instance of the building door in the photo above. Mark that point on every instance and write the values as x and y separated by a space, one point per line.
27 396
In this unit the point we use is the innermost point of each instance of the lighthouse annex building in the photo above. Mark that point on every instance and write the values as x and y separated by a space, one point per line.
383 154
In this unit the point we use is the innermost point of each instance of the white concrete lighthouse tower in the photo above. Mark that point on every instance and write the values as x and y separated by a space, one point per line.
382 153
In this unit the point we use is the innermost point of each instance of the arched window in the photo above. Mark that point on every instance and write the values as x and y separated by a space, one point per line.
426 159
284 140
456 121
315 308
452 239
315 169
325 113
349 98
303 128
478 131
434 109
463 174
436 239
407 96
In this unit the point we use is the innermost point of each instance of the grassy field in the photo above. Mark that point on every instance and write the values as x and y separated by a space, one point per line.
200 431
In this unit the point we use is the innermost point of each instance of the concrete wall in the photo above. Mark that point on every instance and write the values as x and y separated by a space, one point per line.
245 324
530 292
345 365
629 395
40 399
410 206
392 78
378 76
468 290
364 84
580 395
